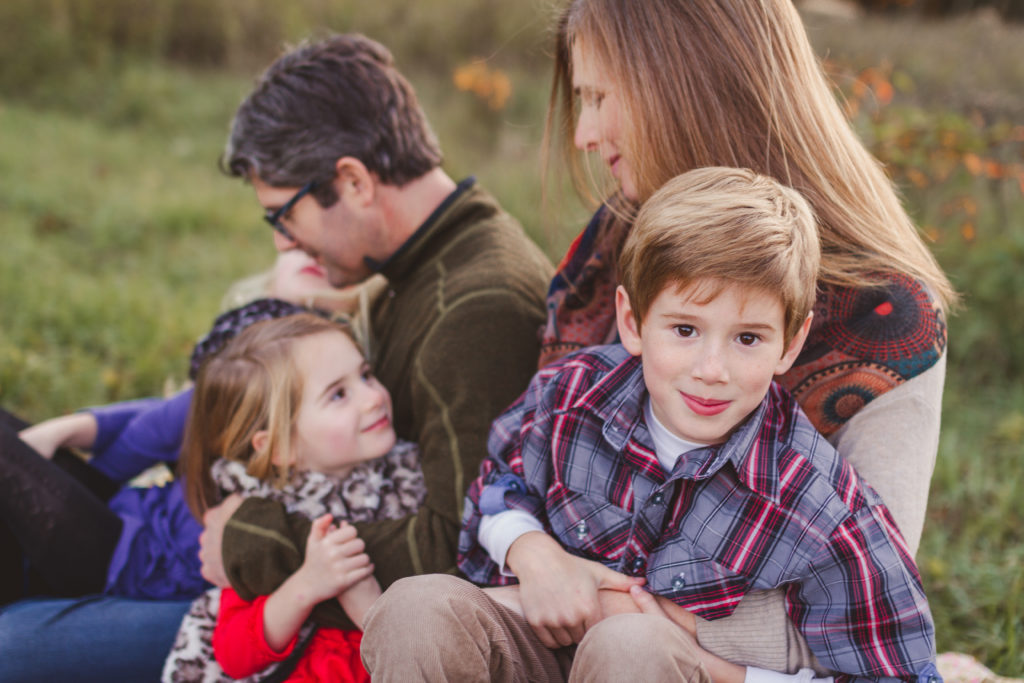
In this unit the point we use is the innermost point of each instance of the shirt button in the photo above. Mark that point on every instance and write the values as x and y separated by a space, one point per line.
679 582
659 497
637 565
581 529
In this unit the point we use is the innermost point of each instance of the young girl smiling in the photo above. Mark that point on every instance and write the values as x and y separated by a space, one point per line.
289 410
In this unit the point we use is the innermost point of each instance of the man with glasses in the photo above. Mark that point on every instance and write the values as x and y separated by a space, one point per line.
347 169
345 165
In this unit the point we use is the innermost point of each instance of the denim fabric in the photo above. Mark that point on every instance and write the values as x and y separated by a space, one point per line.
95 638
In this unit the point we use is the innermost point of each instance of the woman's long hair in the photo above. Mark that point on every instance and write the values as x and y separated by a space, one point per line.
736 83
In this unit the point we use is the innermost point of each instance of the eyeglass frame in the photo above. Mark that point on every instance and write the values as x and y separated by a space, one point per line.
274 216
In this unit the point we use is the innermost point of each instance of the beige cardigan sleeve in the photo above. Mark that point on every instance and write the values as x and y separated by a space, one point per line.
892 442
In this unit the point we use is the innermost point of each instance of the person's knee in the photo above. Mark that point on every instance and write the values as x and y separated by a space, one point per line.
636 646
410 600
628 635
409 609
416 624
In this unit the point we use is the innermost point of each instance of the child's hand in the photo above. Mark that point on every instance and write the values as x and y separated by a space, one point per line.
559 591
77 430
334 559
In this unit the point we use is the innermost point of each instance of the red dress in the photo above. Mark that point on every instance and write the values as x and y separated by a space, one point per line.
242 650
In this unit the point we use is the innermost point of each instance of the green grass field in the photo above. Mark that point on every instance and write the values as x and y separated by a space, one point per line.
119 235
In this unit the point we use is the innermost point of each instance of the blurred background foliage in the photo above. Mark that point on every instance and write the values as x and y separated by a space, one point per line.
120 234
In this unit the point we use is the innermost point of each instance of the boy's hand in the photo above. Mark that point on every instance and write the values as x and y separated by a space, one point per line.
559 591
508 596
334 559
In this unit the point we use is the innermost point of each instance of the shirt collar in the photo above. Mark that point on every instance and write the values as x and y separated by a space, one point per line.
617 399
753 449
410 252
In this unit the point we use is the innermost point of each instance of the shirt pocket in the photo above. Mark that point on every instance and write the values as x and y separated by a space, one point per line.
588 526
681 572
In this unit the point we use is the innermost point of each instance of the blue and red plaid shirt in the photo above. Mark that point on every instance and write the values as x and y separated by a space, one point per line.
774 506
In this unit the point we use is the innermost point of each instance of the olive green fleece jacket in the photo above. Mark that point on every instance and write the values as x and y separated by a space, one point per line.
456 340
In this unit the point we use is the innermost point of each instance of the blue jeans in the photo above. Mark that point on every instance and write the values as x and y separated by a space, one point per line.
93 638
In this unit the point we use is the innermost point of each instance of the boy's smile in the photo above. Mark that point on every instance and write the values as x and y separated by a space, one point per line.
708 364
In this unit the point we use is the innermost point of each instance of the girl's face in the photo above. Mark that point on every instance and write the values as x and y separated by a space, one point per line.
297 277
600 127
345 415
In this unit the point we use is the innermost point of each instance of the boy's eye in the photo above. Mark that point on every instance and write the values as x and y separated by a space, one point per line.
685 330
338 395
748 338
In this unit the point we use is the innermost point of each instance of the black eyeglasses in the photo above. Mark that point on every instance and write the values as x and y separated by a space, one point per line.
274 216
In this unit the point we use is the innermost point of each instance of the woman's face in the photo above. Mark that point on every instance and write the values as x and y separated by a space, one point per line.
600 127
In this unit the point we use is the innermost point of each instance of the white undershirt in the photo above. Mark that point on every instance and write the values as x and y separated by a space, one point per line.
497 532
667 446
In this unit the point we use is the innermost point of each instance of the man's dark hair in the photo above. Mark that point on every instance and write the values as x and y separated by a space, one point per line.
340 96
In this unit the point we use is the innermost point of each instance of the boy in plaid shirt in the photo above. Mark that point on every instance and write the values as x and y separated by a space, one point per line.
670 465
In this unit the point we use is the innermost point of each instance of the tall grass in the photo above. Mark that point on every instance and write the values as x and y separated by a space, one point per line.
119 234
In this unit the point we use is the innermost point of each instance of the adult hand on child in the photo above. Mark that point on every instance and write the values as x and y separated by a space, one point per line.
719 669
335 559
211 540
618 602
559 591
648 603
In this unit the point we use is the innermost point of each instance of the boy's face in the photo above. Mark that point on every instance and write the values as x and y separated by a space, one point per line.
708 365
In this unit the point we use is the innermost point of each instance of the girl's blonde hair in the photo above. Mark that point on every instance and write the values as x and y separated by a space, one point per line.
250 385
736 83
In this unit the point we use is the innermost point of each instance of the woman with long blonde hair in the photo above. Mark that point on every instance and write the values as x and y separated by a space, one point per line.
660 87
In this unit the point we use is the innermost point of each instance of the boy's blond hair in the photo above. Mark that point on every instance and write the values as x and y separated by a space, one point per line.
724 226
